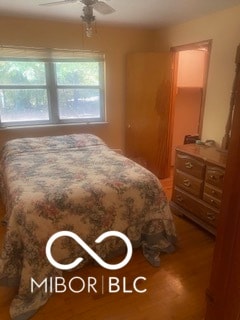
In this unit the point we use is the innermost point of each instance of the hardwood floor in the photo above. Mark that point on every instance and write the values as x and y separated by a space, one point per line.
168 184
175 290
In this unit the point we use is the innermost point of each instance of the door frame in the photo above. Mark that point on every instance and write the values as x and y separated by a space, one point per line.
207 44
223 293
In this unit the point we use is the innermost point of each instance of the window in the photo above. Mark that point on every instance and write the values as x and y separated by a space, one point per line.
58 86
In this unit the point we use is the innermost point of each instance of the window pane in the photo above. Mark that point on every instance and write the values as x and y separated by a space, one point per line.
77 73
22 73
23 105
79 103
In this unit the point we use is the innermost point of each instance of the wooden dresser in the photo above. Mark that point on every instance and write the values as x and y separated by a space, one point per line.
198 182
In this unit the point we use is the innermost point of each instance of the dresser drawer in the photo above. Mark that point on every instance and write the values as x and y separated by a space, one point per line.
212 191
197 207
212 201
189 183
190 165
215 176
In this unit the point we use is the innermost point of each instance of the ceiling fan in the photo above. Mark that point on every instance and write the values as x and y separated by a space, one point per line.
89 5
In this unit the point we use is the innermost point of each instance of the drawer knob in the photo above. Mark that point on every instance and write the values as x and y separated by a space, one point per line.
186 183
211 216
213 192
188 165
179 198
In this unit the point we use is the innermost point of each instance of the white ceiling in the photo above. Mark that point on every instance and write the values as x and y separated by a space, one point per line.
147 13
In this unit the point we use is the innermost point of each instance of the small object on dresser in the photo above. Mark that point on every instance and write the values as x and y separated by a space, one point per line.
190 139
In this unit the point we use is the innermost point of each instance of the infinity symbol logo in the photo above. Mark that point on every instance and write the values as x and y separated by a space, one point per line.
88 250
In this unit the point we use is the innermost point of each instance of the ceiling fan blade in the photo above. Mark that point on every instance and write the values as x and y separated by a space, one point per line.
103 8
57 2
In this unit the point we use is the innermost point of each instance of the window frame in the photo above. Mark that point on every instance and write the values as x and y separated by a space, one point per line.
52 87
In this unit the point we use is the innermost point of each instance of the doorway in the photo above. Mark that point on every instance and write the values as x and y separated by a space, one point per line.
190 71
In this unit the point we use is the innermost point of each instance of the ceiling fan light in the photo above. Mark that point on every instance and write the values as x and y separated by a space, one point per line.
89 30
88 25
88 11
88 19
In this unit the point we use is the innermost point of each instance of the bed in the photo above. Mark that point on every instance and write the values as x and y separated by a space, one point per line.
74 183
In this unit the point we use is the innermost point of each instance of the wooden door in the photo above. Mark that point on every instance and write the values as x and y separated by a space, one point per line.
223 294
148 111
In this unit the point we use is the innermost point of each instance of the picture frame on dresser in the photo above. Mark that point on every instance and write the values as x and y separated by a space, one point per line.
197 184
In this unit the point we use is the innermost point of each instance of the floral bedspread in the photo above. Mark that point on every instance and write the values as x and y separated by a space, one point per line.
75 183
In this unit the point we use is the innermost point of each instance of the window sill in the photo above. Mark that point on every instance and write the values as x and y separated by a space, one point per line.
41 126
